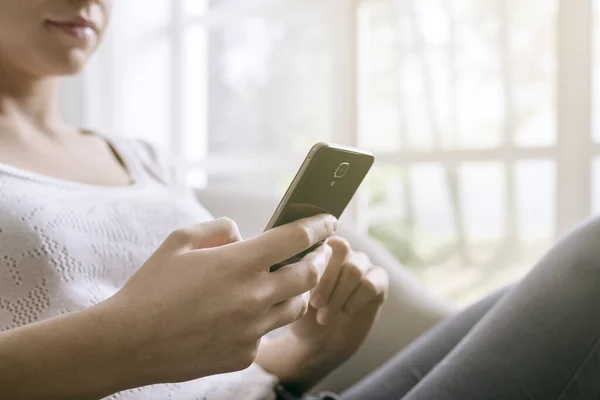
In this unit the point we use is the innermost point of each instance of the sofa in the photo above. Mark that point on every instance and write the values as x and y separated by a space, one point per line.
408 313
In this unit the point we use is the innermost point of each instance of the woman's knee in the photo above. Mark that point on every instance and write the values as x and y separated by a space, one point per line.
579 250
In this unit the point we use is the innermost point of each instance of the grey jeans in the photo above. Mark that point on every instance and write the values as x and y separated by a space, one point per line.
536 340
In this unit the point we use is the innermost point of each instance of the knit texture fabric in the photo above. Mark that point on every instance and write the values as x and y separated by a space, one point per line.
65 246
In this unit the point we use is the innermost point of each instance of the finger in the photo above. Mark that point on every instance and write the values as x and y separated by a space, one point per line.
373 287
348 281
281 243
298 278
215 233
286 312
322 293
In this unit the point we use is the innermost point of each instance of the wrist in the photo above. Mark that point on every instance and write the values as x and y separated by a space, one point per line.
297 364
117 336
126 333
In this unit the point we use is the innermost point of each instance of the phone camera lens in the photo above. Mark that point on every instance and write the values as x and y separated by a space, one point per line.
341 171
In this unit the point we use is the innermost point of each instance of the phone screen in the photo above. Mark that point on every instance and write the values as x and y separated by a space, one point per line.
325 184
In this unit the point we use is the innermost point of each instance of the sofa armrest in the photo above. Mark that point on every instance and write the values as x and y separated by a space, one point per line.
408 313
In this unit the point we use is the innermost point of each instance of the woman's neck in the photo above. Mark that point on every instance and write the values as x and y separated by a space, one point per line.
29 105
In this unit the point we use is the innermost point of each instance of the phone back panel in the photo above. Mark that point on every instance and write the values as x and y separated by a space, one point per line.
319 189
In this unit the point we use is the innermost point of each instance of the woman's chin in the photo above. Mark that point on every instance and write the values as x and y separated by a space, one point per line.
69 64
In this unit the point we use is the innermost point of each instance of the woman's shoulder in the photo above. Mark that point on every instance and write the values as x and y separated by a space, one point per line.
147 158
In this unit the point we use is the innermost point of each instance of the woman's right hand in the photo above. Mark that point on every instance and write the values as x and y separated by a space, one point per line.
200 305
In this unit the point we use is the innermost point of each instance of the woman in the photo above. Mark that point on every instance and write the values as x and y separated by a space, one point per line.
88 310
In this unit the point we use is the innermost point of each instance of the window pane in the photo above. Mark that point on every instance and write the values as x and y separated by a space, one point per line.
457 74
199 8
390 212
388 191
596 71
483 196
535 187
596 186
195 105
458 229
144 92
270 84
239 4
381 115
432 209
142 70
195 8
532 42
138 18
426 207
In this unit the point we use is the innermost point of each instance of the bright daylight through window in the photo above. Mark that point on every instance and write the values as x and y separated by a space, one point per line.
478 113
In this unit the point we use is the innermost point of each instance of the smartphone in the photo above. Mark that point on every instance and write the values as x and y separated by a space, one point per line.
325 183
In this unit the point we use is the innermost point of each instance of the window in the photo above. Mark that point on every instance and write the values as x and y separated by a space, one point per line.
478 112
459 100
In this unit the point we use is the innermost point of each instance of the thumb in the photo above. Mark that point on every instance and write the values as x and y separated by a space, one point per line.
215 233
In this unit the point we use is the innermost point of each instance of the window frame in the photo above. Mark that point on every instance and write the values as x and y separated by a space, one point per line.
573 152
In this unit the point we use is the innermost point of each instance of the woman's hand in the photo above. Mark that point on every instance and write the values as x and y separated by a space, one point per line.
199 306
344 304
342 310
202 302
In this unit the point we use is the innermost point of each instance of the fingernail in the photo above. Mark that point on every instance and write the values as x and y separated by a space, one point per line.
317 301
336 223
327 248
322 316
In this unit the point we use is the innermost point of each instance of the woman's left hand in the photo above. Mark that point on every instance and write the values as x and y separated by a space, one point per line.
342 309
343 306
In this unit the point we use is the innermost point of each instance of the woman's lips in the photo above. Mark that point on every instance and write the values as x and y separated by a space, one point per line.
77 30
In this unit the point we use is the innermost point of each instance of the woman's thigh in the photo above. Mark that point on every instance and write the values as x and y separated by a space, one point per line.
400 374
540 341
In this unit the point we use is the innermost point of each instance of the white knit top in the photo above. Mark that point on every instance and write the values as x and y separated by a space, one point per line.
65 246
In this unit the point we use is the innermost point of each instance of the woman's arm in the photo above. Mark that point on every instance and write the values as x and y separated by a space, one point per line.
154 329
82 355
